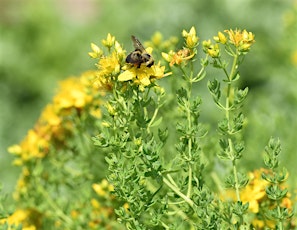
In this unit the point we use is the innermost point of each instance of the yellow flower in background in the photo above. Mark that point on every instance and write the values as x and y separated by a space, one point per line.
50 116
95 203
254 194
73 94
33 146
103 188
28 218
294 58
157 39
157 42
254 191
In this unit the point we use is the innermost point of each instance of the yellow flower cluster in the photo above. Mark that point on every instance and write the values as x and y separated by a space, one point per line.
212 50
103 207
242 40
186 53
191 39
103 188
143 75
177 58
157 42
254 193
73 96
28 218
112 67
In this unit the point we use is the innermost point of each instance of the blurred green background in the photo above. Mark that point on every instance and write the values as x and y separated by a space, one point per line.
42 42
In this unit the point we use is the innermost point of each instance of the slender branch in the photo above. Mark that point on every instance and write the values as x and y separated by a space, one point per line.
228 99
178 192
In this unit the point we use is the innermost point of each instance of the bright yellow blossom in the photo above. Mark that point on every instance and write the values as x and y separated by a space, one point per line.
97 52
121 53
109 65
95 203
212 50
254 194
28 218
160 44
220 38
178 58
103 188
157 39
241 39
143 75
191 38
109 41
72 95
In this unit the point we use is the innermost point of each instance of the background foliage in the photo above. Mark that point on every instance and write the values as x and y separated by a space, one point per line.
43 42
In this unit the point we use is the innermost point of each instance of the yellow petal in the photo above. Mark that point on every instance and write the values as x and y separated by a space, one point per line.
145 81
126 76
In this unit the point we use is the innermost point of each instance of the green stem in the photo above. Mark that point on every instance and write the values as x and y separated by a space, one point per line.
234 67
178 192
189 190
171 180
236 180
230 142
280 223
54 206
176 209
153 119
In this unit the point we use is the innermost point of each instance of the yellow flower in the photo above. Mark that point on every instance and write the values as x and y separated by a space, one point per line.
294 58
179 57
143 75
221 38
121 53
103 188
212 50
49 115
97 52
15 149
72 94
254 193
191 38
24 217
109 41
158 43
74 214
157 39
95 203
109 65
242 40
33 146
98 189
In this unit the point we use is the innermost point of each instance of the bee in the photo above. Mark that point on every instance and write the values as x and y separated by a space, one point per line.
139 55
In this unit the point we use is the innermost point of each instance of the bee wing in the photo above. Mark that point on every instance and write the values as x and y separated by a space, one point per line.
137 44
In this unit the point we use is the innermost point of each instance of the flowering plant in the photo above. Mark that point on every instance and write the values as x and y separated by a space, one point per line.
155 165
